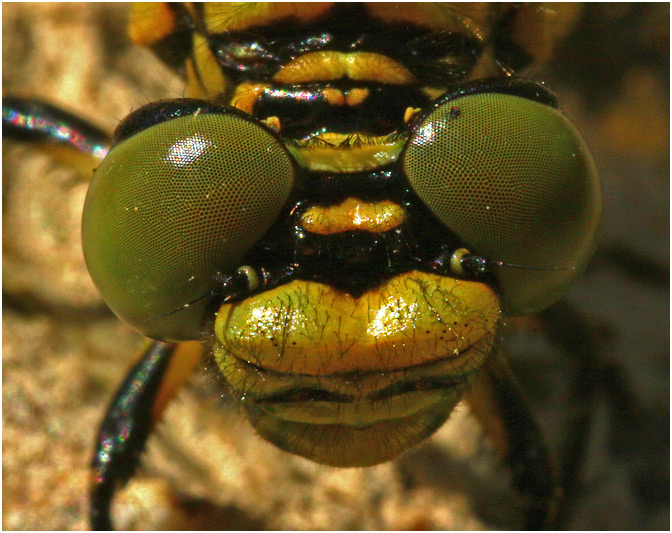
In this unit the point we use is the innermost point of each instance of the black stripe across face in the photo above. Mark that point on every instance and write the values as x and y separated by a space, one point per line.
303 110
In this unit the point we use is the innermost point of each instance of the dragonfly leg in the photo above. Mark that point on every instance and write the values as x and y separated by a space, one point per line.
130 418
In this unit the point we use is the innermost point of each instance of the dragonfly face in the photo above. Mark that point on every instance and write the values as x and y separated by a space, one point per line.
345 210
347 160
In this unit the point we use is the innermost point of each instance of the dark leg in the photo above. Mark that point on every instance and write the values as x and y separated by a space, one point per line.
36 121
125 429
499 405
138 404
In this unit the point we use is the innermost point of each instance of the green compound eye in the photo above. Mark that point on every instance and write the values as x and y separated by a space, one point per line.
514 180
173 205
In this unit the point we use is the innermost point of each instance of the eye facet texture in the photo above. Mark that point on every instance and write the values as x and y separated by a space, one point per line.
514 180
172 206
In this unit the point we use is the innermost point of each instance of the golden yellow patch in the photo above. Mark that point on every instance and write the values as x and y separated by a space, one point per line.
313 329
353 214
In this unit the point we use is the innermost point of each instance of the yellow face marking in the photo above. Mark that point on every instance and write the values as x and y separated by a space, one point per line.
353 214
360 413
325 66
250 381
385 370
310 328
374 152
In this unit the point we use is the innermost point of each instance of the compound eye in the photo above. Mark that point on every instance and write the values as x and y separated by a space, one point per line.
514 180
172 206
